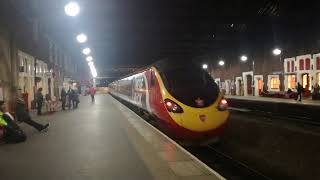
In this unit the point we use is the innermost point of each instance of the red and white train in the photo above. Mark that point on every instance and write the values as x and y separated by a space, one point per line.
182 97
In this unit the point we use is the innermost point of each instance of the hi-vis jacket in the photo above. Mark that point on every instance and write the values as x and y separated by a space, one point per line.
2 121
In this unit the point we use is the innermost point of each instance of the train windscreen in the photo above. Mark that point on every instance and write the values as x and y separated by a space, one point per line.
191 85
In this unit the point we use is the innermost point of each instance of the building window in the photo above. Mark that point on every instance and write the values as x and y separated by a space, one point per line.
318 78
307 64
292 66
288 66
301 64
318 62
291 81
275 83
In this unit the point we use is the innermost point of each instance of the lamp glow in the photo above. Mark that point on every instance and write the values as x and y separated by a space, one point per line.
89 58
82 38
72 9
244 58
204 66
90 64
221 63
276 51
86 51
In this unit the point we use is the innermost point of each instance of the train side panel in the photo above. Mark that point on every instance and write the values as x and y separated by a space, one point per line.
133 89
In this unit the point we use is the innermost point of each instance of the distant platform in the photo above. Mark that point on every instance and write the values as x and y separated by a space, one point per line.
308 102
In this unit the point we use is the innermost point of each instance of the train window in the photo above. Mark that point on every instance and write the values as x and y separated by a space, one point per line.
189 84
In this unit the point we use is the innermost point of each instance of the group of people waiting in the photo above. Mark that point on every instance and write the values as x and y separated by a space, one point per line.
10 131
70 98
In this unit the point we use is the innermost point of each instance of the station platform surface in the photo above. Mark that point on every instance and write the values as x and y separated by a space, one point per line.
101 140
308 102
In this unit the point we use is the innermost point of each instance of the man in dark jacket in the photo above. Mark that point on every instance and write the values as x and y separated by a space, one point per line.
63 98
70 97
39 100
22 114
299 91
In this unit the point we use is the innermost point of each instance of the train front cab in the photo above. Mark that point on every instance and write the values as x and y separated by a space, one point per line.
187 121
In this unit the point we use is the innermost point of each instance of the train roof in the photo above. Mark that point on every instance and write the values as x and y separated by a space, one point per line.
169 64
166 64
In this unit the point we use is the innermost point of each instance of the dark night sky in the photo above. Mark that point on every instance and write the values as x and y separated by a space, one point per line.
136 32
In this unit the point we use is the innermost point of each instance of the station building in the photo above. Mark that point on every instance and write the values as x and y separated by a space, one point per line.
272 75
44 77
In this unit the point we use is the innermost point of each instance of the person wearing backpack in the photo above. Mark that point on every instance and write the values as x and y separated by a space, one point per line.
12 132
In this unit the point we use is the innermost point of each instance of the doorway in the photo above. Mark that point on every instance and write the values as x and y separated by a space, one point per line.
306 81
240 87
249 85
49 87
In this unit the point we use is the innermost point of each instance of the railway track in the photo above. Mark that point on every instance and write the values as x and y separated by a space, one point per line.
291 112
272 116
227 166
224 164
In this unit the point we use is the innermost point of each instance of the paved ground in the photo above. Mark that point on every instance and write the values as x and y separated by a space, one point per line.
87 143
98 141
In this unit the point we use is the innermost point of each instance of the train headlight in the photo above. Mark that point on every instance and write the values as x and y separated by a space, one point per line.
172 106
223 105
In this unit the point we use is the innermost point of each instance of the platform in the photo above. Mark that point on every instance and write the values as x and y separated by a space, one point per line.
307 110
103 140
308 102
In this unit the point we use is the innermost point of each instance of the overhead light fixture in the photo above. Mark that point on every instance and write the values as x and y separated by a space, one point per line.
276 51
90 64
221 63
82 38
204 66
89 58
86 51
72 9
244 58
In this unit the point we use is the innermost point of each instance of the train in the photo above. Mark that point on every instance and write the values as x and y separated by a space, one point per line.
182 97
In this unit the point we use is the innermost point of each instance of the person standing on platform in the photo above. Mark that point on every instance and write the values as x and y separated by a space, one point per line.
73 98
315 93
70 96
76 100
22 115
299 91
39 99
92 93
63 98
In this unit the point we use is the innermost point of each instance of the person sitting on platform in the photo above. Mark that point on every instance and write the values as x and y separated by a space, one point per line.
22 114
12 132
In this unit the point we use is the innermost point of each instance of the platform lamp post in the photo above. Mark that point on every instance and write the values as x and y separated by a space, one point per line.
278 52
35 39
244 58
